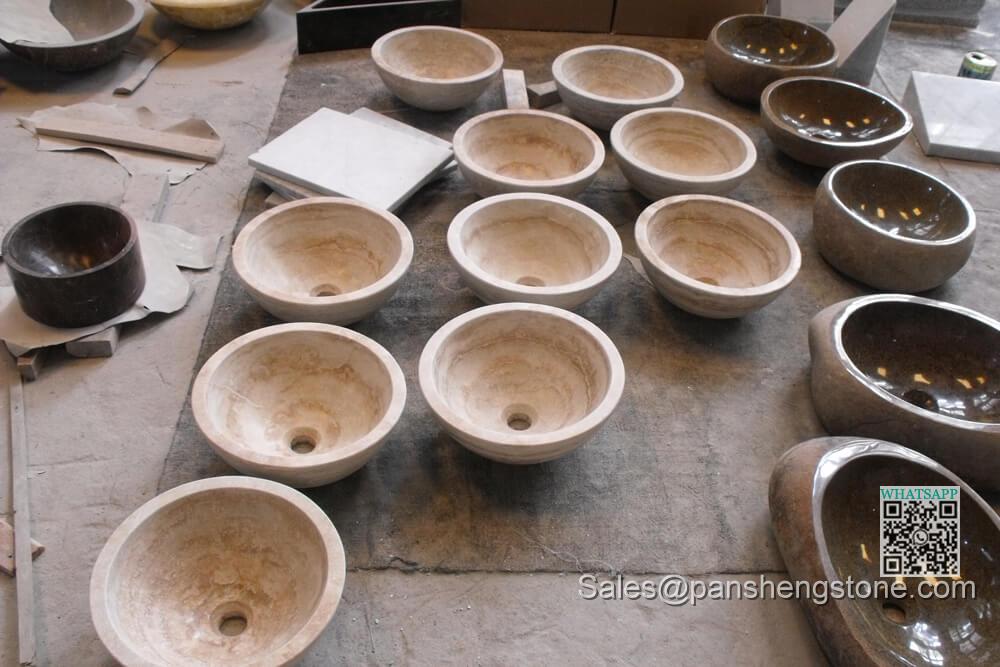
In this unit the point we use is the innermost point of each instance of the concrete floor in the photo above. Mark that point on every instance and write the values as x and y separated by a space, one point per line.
100 431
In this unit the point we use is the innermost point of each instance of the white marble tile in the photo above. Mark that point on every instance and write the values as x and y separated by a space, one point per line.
955 117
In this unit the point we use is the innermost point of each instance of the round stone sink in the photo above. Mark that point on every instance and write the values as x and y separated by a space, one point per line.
222 571
323 259
534 248
891 226
923 373
75 265
303 404
746 53
101 29
527 151
666 152
521 383
715 257
825 514
823 122
435 67
210 14
602 83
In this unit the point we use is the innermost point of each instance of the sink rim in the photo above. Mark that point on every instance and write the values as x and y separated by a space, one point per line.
378 55
559 74
593 419
138 12
289 465
598 277
713 37
851 306
779 123
829 185
326 605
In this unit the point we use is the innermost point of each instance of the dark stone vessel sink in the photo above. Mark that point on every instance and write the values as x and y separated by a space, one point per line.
923 373
745 53
892 226
75 265
824 501
101 30
823 122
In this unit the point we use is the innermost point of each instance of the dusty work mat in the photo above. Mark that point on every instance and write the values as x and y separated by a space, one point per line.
677 480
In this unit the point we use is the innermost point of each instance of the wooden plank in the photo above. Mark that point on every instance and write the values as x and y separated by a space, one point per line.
7 563
22 524
130 136
515 89
541 95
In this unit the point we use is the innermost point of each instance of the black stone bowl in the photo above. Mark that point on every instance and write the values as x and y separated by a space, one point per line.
75 265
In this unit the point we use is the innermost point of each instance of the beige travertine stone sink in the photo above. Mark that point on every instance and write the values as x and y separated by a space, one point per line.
521 383
715 257
210 14
305 404
666 152
520 150
534 248
229 571
436 68
323 259
602 83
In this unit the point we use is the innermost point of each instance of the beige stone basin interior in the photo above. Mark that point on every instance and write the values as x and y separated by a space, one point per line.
722 246
618 74
298 394
521 372
689 144
320 251
439 54
231 574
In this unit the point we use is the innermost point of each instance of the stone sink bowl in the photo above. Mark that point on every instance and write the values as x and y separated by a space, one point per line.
304 404
210 14
666 152
746 53
824 500
602 83
527 151
323 259
222 571
923 373
521 383
893 227
533 248
715 257
101 30
436 68
823 122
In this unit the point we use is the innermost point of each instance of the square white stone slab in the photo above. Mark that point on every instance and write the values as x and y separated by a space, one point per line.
955 117
342 155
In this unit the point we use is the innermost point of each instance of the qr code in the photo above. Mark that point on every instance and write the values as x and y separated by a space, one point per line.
919 531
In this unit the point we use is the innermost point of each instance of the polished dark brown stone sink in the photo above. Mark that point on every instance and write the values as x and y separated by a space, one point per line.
745 53
823 122
919 372
824 501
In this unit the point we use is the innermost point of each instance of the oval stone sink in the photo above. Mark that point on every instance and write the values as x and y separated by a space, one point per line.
210 14
824 500
892 226
823 122
745 53
715 257
436 68
323 259
527 151
75 265
666 152
602 83
534 248
923 373
222 571
521 383
305 404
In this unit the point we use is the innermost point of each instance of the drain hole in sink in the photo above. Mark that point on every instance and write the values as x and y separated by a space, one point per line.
519 421
921 399
530 281
326 289
303 440
233 624
894 612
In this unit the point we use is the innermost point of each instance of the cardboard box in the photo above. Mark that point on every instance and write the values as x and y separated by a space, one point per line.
558 15
678 18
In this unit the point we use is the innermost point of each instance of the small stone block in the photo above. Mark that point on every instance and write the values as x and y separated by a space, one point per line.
29 365
100 344
515 89
541 95
7 564
275 199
